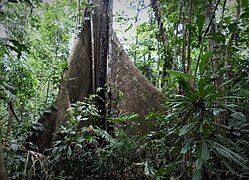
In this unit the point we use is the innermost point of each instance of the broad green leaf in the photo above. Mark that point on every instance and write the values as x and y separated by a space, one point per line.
194 97
204 61
198 163
87 4
200 22
232 27
217 36
205 155
192 28
186 87
213 97
54 105
209 89
201 128
245 4
166 169
79 145
178 104
186 147
232 97
187 128
245 15
201 85
229 167
232 155
178 98
180 74
225 83
197 175
227 153
69 151
239 116
148 169
123 118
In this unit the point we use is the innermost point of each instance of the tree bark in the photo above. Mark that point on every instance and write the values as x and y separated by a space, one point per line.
10 122
184 31
75 86
141 96
3 172
212 44
102 31
233 38
216 57
188 70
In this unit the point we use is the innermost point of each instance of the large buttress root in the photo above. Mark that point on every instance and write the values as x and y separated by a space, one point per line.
78 83
141 96
75 86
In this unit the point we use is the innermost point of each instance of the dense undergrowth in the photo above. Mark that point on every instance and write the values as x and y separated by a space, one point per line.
202 134
187 136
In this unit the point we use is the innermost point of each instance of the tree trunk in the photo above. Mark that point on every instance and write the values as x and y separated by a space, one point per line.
216 57
188 70
184 31
232 39
3 172
10 122
87 68
213 45
101 47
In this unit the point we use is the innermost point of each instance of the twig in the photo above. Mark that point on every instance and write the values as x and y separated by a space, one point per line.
3 116
12 110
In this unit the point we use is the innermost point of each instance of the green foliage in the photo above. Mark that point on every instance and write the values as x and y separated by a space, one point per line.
86 151
33 55
81 151
203 133
193 126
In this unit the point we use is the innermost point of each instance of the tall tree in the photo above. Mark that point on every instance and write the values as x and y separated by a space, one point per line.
184 30
101 31
167 58
87 70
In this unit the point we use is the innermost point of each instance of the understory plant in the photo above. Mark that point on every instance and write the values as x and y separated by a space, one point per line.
203 133
86 151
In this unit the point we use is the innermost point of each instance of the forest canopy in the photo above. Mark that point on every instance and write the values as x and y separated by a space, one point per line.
124 89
